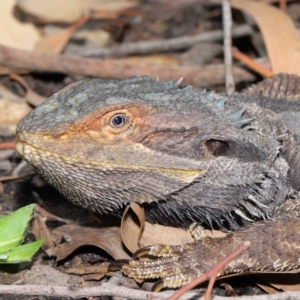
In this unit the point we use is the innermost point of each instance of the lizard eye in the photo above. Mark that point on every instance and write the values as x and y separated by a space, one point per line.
117 123
118 120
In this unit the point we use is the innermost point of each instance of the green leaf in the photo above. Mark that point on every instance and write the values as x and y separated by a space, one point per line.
4 255
13 227
23 253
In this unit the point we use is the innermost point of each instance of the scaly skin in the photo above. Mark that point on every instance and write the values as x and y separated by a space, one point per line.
186 156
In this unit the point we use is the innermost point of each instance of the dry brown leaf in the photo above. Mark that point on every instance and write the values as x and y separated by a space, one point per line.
81 265
280 35
13 108
40 230
96 37
7 130
158 234
94 276
272 283
82 269
31 96
132 227
5 93
14 33
56 43
69 11
12 111
39 227
66 11
106 238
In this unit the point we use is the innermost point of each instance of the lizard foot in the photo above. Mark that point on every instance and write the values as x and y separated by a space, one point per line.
176 265
274 248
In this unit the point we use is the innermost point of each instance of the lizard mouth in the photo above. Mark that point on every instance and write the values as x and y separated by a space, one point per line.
19 147
35 156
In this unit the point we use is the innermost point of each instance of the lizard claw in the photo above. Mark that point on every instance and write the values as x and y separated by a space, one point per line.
142 252
117 265
158 285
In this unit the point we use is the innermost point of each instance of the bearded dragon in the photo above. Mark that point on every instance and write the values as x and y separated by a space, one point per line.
187 156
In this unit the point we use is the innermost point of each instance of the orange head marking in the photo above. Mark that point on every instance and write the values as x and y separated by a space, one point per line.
115 123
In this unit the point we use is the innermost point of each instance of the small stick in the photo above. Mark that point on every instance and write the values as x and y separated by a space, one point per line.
212 272
166 45
210 287
227 26
251 63
14 177
198 76
7 146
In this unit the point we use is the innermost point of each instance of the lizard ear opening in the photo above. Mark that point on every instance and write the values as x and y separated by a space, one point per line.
216 148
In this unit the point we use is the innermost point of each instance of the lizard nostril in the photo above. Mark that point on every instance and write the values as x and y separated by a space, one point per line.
59 133
64 136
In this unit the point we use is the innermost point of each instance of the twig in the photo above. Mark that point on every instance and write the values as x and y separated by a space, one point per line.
108 289
20 80
212 272
210 287
252 64
56 43
282 5
14 177
227 26
75 292
7 145
197 76
146 47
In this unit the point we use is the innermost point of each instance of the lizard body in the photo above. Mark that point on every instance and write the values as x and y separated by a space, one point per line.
185 155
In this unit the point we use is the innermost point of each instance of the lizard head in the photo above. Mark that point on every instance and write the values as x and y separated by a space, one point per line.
178 152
